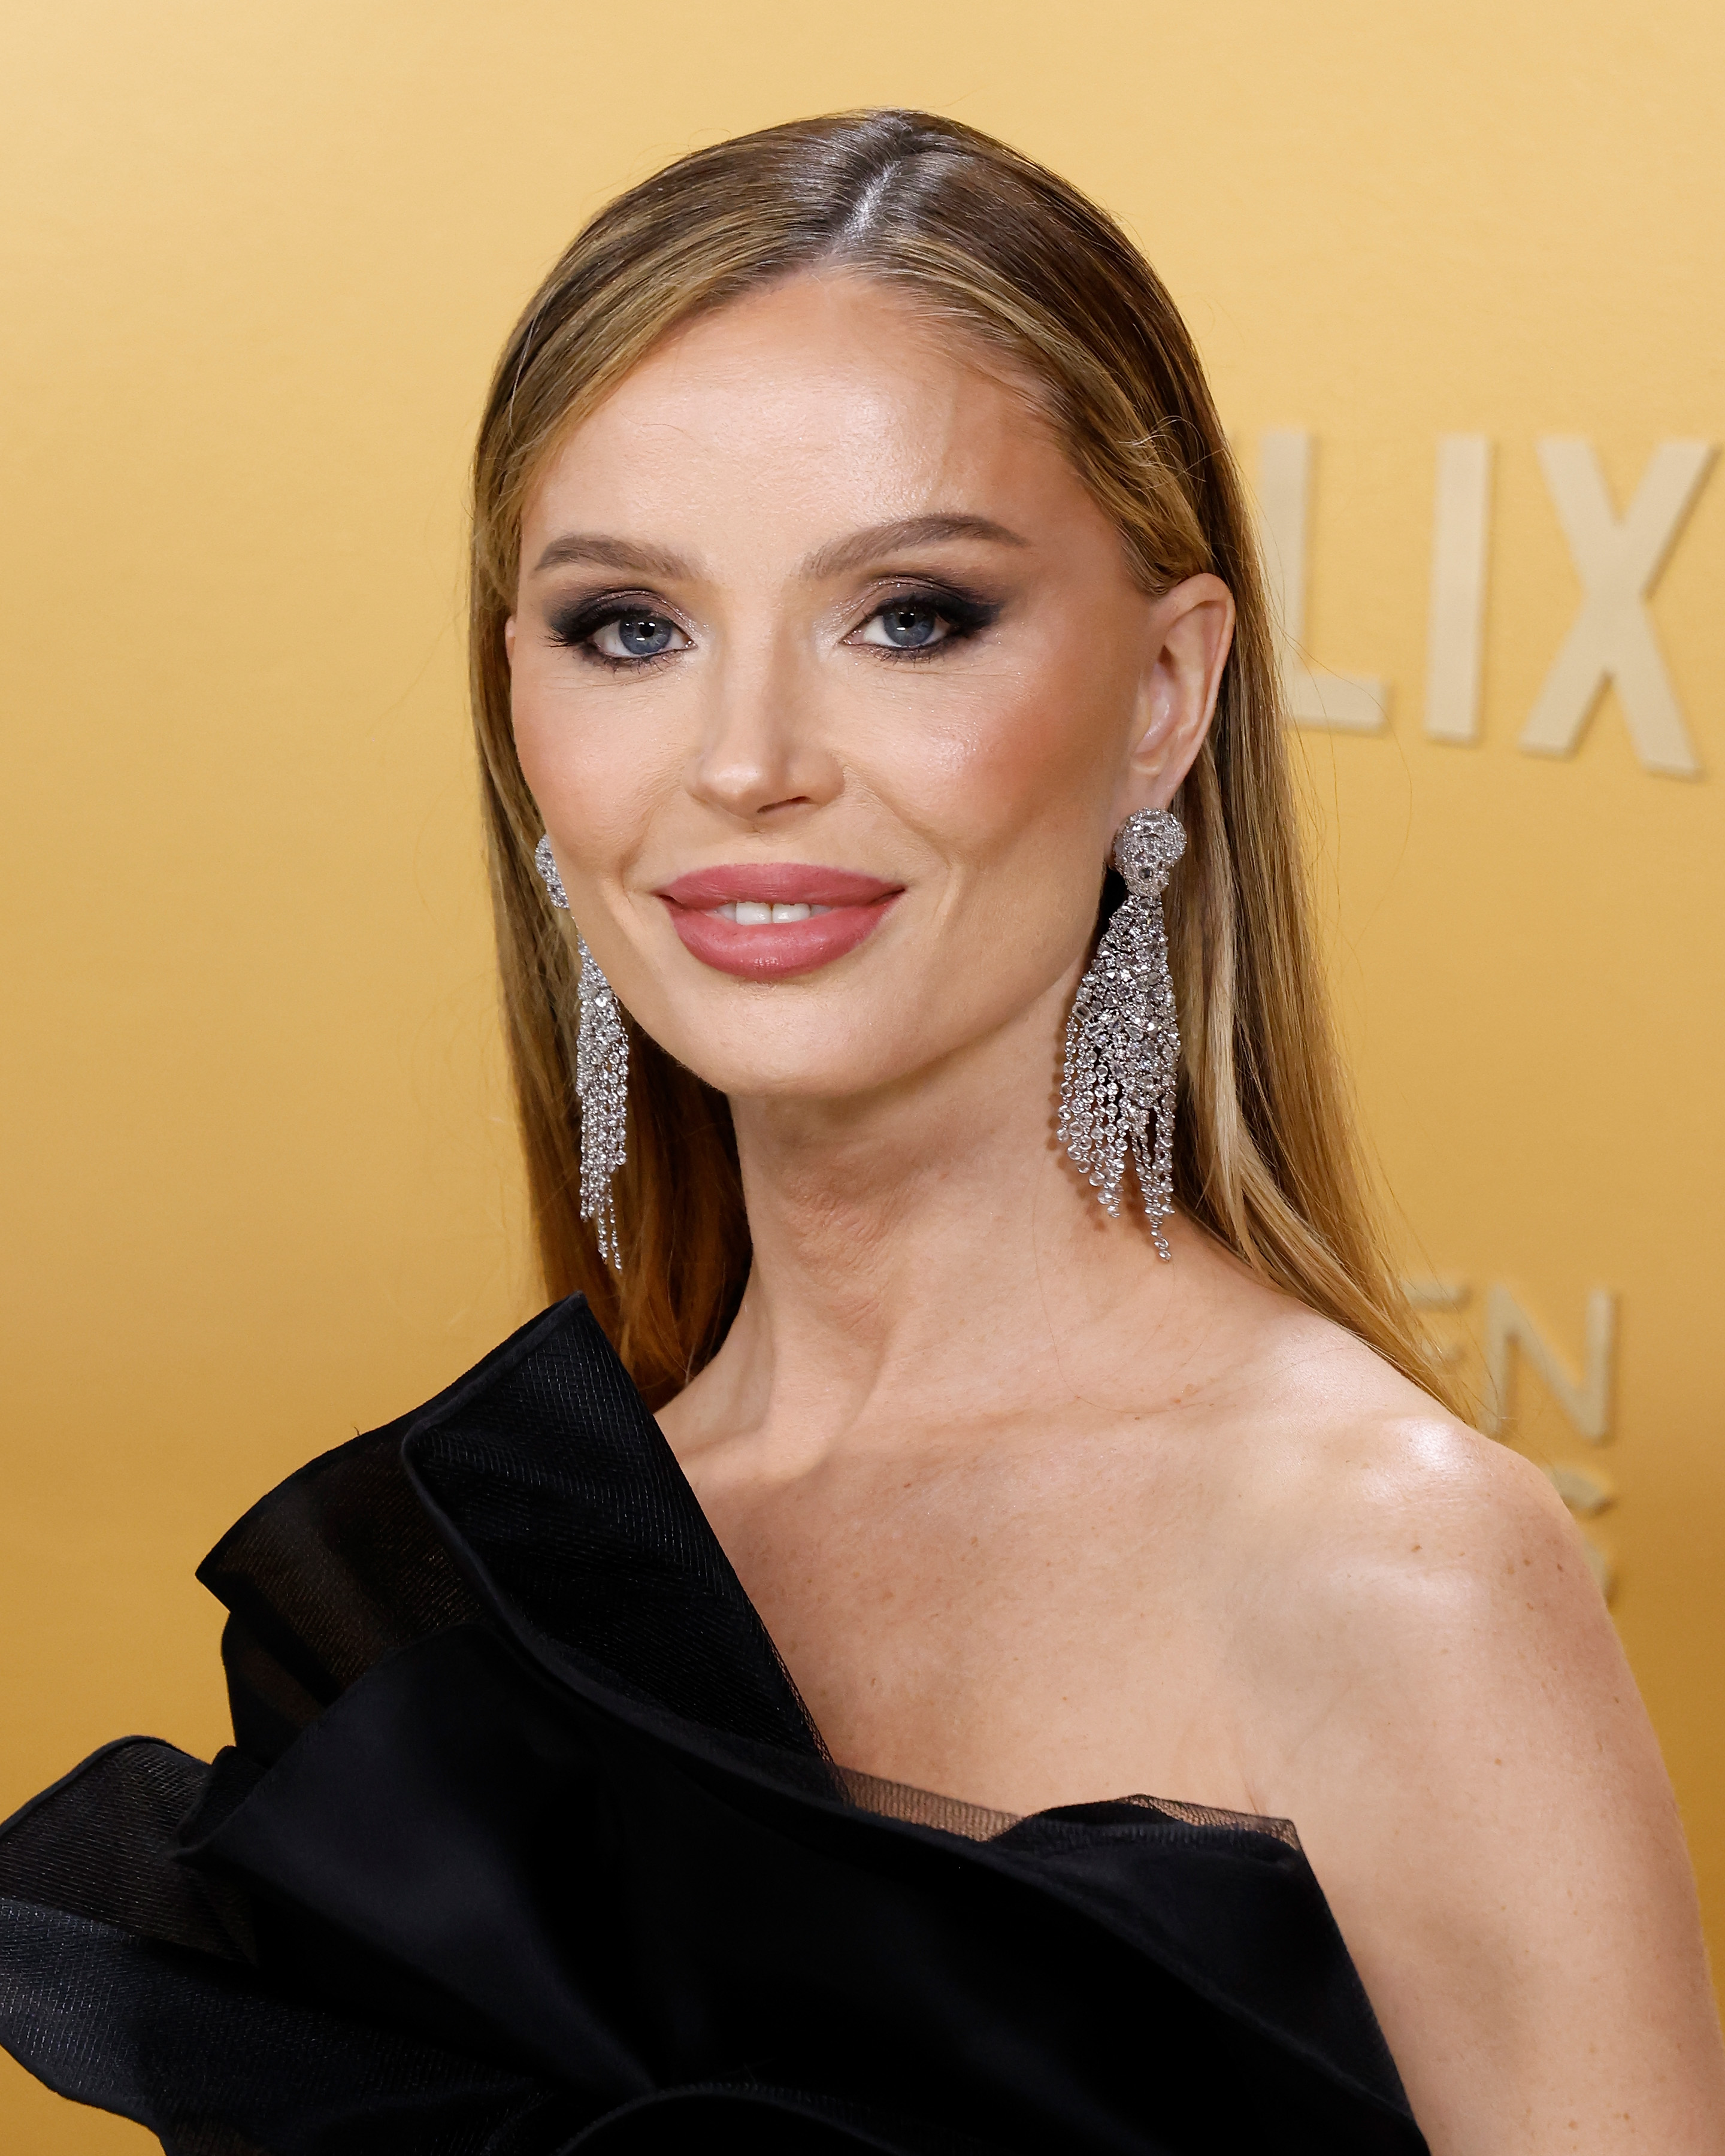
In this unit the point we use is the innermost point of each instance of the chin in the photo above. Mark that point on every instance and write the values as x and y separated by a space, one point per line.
822 1062
817 1076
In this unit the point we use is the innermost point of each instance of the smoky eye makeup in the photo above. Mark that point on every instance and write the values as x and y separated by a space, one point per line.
922 616
909 618
616 628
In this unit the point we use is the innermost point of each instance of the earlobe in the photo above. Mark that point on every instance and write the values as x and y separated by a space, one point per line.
509 642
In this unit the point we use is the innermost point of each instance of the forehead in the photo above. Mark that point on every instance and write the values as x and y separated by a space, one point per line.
826 399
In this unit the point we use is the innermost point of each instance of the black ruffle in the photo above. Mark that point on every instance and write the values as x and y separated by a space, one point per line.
526 1845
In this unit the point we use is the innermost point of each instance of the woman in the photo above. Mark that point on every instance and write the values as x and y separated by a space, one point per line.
860 572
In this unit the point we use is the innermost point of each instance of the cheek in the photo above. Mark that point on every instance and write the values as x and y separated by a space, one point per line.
594 768
1026 753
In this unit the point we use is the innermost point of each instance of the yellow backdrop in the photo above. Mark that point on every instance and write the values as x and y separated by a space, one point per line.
260 1187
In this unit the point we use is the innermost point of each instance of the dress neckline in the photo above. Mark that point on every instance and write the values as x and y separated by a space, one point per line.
528 1844
625 1494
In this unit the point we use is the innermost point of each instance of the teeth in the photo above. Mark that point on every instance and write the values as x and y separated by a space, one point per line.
759 913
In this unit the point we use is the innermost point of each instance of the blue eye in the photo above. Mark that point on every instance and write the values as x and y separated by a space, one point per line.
906 625
636 635
916 622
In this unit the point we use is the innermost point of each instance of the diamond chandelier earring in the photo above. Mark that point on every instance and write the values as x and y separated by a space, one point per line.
601 1076
1122 1043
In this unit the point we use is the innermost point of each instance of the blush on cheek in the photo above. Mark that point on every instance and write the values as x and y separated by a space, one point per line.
1030 764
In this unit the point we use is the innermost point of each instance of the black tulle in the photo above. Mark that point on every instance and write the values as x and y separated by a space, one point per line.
526 1845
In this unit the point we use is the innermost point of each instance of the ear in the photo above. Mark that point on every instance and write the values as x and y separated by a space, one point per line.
509 642
1190 631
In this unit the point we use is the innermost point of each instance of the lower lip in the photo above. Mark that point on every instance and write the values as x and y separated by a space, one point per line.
774 952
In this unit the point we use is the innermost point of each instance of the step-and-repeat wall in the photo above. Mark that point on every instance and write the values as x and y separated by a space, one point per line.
1455 269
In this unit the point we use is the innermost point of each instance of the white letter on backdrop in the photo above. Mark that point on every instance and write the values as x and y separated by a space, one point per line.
1455 635
1349 703
1613 639
1587 1404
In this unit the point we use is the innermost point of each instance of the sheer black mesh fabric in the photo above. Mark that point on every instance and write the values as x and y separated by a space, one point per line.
268 1703
334 1570
902 1800
1278 1830
103 1844
593 1552
125 1980
174 2040
603 1548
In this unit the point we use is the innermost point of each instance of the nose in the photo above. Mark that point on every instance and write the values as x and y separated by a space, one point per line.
761 754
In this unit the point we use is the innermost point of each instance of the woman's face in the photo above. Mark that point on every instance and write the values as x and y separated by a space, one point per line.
832 686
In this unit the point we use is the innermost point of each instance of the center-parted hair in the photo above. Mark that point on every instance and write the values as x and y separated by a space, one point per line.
999 249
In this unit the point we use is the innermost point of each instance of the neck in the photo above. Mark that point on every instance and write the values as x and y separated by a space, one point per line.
906 1241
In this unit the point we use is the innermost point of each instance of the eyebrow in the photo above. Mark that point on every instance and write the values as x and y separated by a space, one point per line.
611 554
862 547
830 561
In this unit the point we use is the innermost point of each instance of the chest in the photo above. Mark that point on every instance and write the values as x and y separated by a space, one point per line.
1019 1624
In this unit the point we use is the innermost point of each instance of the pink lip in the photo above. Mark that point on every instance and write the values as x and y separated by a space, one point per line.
774 953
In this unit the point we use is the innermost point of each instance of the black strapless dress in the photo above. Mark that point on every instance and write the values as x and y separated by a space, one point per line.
526 1845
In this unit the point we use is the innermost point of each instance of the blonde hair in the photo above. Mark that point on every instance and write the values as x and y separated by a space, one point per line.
980 237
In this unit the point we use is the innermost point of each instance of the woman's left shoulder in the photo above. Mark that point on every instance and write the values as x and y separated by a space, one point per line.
1359 1486
1405 1539
1443 1707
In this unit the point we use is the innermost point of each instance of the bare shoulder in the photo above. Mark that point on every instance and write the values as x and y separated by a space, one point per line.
1436 1694
1365 1485
1370 1531
1379 1499
1435 1613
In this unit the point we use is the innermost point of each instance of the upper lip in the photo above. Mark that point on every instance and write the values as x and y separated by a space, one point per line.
782 883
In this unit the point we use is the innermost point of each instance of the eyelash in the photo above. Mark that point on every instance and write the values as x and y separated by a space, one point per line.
965 613
576 629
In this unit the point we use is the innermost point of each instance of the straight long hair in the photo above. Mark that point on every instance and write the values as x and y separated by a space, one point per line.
993 245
